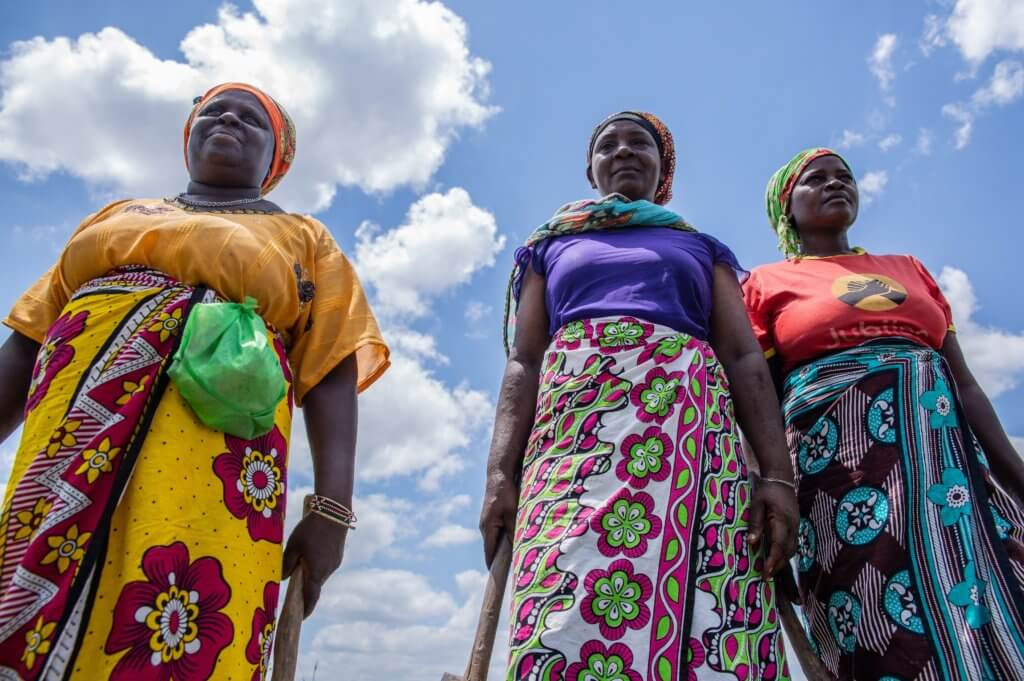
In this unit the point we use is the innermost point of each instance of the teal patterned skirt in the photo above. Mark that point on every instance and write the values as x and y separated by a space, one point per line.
911 557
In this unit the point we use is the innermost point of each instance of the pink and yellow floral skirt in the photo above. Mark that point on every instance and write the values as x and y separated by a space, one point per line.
135 542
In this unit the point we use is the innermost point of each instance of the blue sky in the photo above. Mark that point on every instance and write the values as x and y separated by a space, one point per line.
447 132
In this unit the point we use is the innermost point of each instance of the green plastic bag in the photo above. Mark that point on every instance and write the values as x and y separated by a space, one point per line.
227 370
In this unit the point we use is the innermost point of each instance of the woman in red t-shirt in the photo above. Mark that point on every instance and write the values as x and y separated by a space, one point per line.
911 551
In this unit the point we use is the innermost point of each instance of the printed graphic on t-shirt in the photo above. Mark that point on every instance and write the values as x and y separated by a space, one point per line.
870 292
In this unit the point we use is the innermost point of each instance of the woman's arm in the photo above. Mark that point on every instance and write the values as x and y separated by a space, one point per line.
517 402
331 422
1006 463
774 507
17 357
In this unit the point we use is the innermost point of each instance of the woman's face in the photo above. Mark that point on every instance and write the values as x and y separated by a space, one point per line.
825 197
232 141
625 160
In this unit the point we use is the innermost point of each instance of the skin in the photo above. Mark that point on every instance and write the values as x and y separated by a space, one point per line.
824 206
229 152
625 160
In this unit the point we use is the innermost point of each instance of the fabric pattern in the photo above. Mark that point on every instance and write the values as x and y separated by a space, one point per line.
280 123
135 543
306 288
630 561
911 557
780 187
579 217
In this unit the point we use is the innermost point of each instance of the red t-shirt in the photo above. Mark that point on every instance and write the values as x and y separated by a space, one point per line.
806 308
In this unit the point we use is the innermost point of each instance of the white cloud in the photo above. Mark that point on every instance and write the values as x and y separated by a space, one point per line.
443 241
476 311
1018 444
890 141
933 36
850 138
872 184
1005 86
995 356
377 595
965 119
378 90
979 27
880 60
451 535
923 145
418 649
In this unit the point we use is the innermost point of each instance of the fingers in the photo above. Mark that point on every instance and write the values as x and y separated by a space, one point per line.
291 558
756 528
310 593
491 536
786 584
778 554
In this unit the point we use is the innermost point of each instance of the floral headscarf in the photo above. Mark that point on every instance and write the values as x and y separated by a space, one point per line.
780 188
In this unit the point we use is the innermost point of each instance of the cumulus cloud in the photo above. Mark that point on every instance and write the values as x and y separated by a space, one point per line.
1005 86
850 138
378 90
996 357
444 239
872 184
451 535
880 60
979 27
889 141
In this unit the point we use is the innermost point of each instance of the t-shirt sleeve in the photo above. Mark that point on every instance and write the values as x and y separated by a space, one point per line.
38 307
337 322
723 255
760 317
935 292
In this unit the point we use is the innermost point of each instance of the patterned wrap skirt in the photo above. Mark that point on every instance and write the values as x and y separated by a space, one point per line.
630 559
136 544
911 558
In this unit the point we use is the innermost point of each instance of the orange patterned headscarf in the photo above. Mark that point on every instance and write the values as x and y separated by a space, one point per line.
280 123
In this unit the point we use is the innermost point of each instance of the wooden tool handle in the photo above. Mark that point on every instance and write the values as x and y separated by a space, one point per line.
490 611
289 625
812 665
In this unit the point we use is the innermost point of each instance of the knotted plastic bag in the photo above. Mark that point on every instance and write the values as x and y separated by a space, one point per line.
227 370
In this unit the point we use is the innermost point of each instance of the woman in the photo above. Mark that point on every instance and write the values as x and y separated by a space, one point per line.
136 542
911 558
625 491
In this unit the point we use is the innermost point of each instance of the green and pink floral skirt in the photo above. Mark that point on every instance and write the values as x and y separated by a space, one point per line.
911 556
631 561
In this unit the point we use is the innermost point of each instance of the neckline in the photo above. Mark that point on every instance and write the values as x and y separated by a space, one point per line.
857 250
227 210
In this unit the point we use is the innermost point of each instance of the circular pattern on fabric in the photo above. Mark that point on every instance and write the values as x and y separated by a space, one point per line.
807 543
881 417
900 603
818 446
861 515
843 615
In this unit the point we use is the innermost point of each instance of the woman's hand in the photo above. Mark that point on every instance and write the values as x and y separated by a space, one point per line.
774 517
498 515
318 544
17 357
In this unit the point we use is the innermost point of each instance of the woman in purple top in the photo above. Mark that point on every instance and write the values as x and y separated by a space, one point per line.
640 550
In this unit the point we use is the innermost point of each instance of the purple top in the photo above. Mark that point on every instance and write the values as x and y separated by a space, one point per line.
653 273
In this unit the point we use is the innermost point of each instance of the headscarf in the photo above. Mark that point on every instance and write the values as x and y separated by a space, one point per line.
780 188
662 137
280 123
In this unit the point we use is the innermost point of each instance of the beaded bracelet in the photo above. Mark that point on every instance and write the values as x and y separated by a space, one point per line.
330 509
780 481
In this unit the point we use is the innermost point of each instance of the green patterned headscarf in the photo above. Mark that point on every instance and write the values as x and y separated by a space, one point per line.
780 187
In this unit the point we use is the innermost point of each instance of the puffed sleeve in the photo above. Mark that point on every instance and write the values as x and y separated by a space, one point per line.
723 255
337 322
935 292
760 316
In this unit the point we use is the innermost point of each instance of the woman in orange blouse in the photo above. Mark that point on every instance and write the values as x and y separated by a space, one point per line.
136 542
911 551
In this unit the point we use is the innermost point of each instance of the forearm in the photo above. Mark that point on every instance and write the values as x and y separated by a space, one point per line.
331 411
1005 461
513 421
17 357
759 415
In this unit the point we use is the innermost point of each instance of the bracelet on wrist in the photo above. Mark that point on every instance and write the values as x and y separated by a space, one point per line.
330 509
779 481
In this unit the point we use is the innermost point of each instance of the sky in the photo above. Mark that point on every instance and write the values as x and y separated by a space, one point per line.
434 136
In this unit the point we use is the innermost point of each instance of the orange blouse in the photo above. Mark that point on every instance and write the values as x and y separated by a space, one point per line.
306 287
806 308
